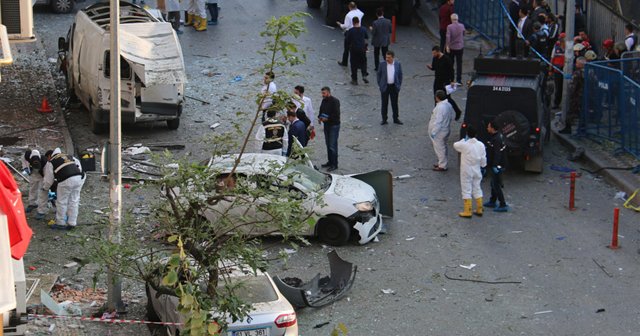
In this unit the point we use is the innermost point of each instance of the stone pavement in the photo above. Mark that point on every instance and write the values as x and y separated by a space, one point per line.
597 155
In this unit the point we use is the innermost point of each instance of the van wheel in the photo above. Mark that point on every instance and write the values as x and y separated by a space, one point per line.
332 14
334 230
62 6
96 126
173 124
314 3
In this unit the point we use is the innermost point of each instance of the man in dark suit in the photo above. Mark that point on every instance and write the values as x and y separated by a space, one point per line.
525 25
356 38
389 76
380 36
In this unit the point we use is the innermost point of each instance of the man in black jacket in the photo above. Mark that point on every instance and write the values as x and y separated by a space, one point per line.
329 114
356 39
443 68
495 163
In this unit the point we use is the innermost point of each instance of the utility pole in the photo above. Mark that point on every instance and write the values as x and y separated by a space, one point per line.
570 19
114 289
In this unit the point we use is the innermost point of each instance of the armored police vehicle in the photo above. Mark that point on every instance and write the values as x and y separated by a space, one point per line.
512 92
152 74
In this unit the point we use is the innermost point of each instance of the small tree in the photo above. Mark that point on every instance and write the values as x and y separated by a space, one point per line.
214 218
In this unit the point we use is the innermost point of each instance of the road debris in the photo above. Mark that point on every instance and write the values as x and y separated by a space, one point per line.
600 310
602 268
402 177
469 267
214 125
388 291
543 312
460 278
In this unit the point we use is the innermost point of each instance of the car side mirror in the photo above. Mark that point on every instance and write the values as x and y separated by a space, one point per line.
62 44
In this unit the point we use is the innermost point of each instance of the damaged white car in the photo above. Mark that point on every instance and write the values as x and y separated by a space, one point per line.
346 208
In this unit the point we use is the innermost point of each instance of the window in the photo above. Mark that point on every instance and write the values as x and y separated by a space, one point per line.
125 68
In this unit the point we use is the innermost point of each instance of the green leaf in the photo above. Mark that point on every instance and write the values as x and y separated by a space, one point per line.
187 300
170 279
173 238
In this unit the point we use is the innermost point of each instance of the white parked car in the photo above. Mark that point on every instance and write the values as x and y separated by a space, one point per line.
272 314
347 209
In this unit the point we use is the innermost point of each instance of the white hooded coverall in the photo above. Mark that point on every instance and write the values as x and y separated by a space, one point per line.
68 193
439 130
37 196
473 156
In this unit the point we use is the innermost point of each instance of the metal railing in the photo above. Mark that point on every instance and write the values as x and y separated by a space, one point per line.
611 103
485 17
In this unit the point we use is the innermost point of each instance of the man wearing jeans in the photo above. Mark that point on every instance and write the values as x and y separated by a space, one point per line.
455 44
330 116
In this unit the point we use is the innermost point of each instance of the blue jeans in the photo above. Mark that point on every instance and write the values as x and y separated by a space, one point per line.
496 189
331 133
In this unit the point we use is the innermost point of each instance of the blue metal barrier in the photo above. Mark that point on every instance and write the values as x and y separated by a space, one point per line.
610 104
485 17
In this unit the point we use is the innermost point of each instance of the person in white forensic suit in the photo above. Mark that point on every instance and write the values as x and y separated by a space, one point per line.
67 171
440 128
473 160
32 163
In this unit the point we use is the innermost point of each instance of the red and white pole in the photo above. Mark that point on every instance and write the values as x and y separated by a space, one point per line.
614 237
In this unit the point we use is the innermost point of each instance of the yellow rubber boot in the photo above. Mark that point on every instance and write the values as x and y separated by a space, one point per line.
479 209
466 213
190 20
201 23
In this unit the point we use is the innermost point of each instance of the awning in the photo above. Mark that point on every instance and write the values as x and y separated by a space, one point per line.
11 205
153 51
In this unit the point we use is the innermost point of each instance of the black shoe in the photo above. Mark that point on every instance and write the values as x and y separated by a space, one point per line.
325 165
342 64
353 82
332 168
384 122
366 81
397 121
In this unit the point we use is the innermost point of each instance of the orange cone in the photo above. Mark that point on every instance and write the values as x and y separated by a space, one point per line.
45 107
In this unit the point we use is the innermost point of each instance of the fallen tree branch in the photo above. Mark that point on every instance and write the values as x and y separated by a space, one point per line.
482 281
602 268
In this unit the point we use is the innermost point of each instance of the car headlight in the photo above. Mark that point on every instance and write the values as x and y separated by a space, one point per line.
364 206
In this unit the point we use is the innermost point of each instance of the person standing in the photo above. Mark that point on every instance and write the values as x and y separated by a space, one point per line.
380 36
171 9
268 89
525 28
346 26
214 10
455 44
495 159
473 157
557 60
389 76
303 102
576 88
440 128
197 15
444 16
443 68
356 38
67 171
32 164
297 128
630 39
330 116
514 9
272 137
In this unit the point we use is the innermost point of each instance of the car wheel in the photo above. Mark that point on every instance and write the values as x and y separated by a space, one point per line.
314 3
332 12
334 230
96 126
173 124
62 6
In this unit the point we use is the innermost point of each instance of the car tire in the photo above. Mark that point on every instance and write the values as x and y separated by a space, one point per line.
96 126
334 230
62 6
314 3
173 124
332 12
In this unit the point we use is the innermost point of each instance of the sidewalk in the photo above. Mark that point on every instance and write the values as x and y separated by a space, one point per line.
596 155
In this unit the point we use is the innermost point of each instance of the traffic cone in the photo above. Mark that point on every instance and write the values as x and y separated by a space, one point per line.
45 107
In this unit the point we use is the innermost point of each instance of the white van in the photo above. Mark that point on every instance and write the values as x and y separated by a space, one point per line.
151 66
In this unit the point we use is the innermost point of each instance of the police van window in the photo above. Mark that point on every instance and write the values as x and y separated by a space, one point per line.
125 68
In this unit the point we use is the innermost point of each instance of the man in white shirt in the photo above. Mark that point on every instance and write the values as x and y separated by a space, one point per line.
389 76
348 24
630 39
268 89
304 103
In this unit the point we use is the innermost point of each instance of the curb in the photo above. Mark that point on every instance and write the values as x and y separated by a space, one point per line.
616 177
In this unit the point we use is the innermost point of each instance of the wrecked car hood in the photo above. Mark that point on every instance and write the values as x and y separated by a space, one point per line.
154 52
353 189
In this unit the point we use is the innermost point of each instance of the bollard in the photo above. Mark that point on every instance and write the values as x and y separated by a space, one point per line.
572 192
614 237
393 29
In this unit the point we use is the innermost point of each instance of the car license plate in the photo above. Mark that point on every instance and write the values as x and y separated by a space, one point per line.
253 332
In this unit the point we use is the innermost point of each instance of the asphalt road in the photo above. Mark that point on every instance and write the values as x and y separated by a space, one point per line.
549 251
